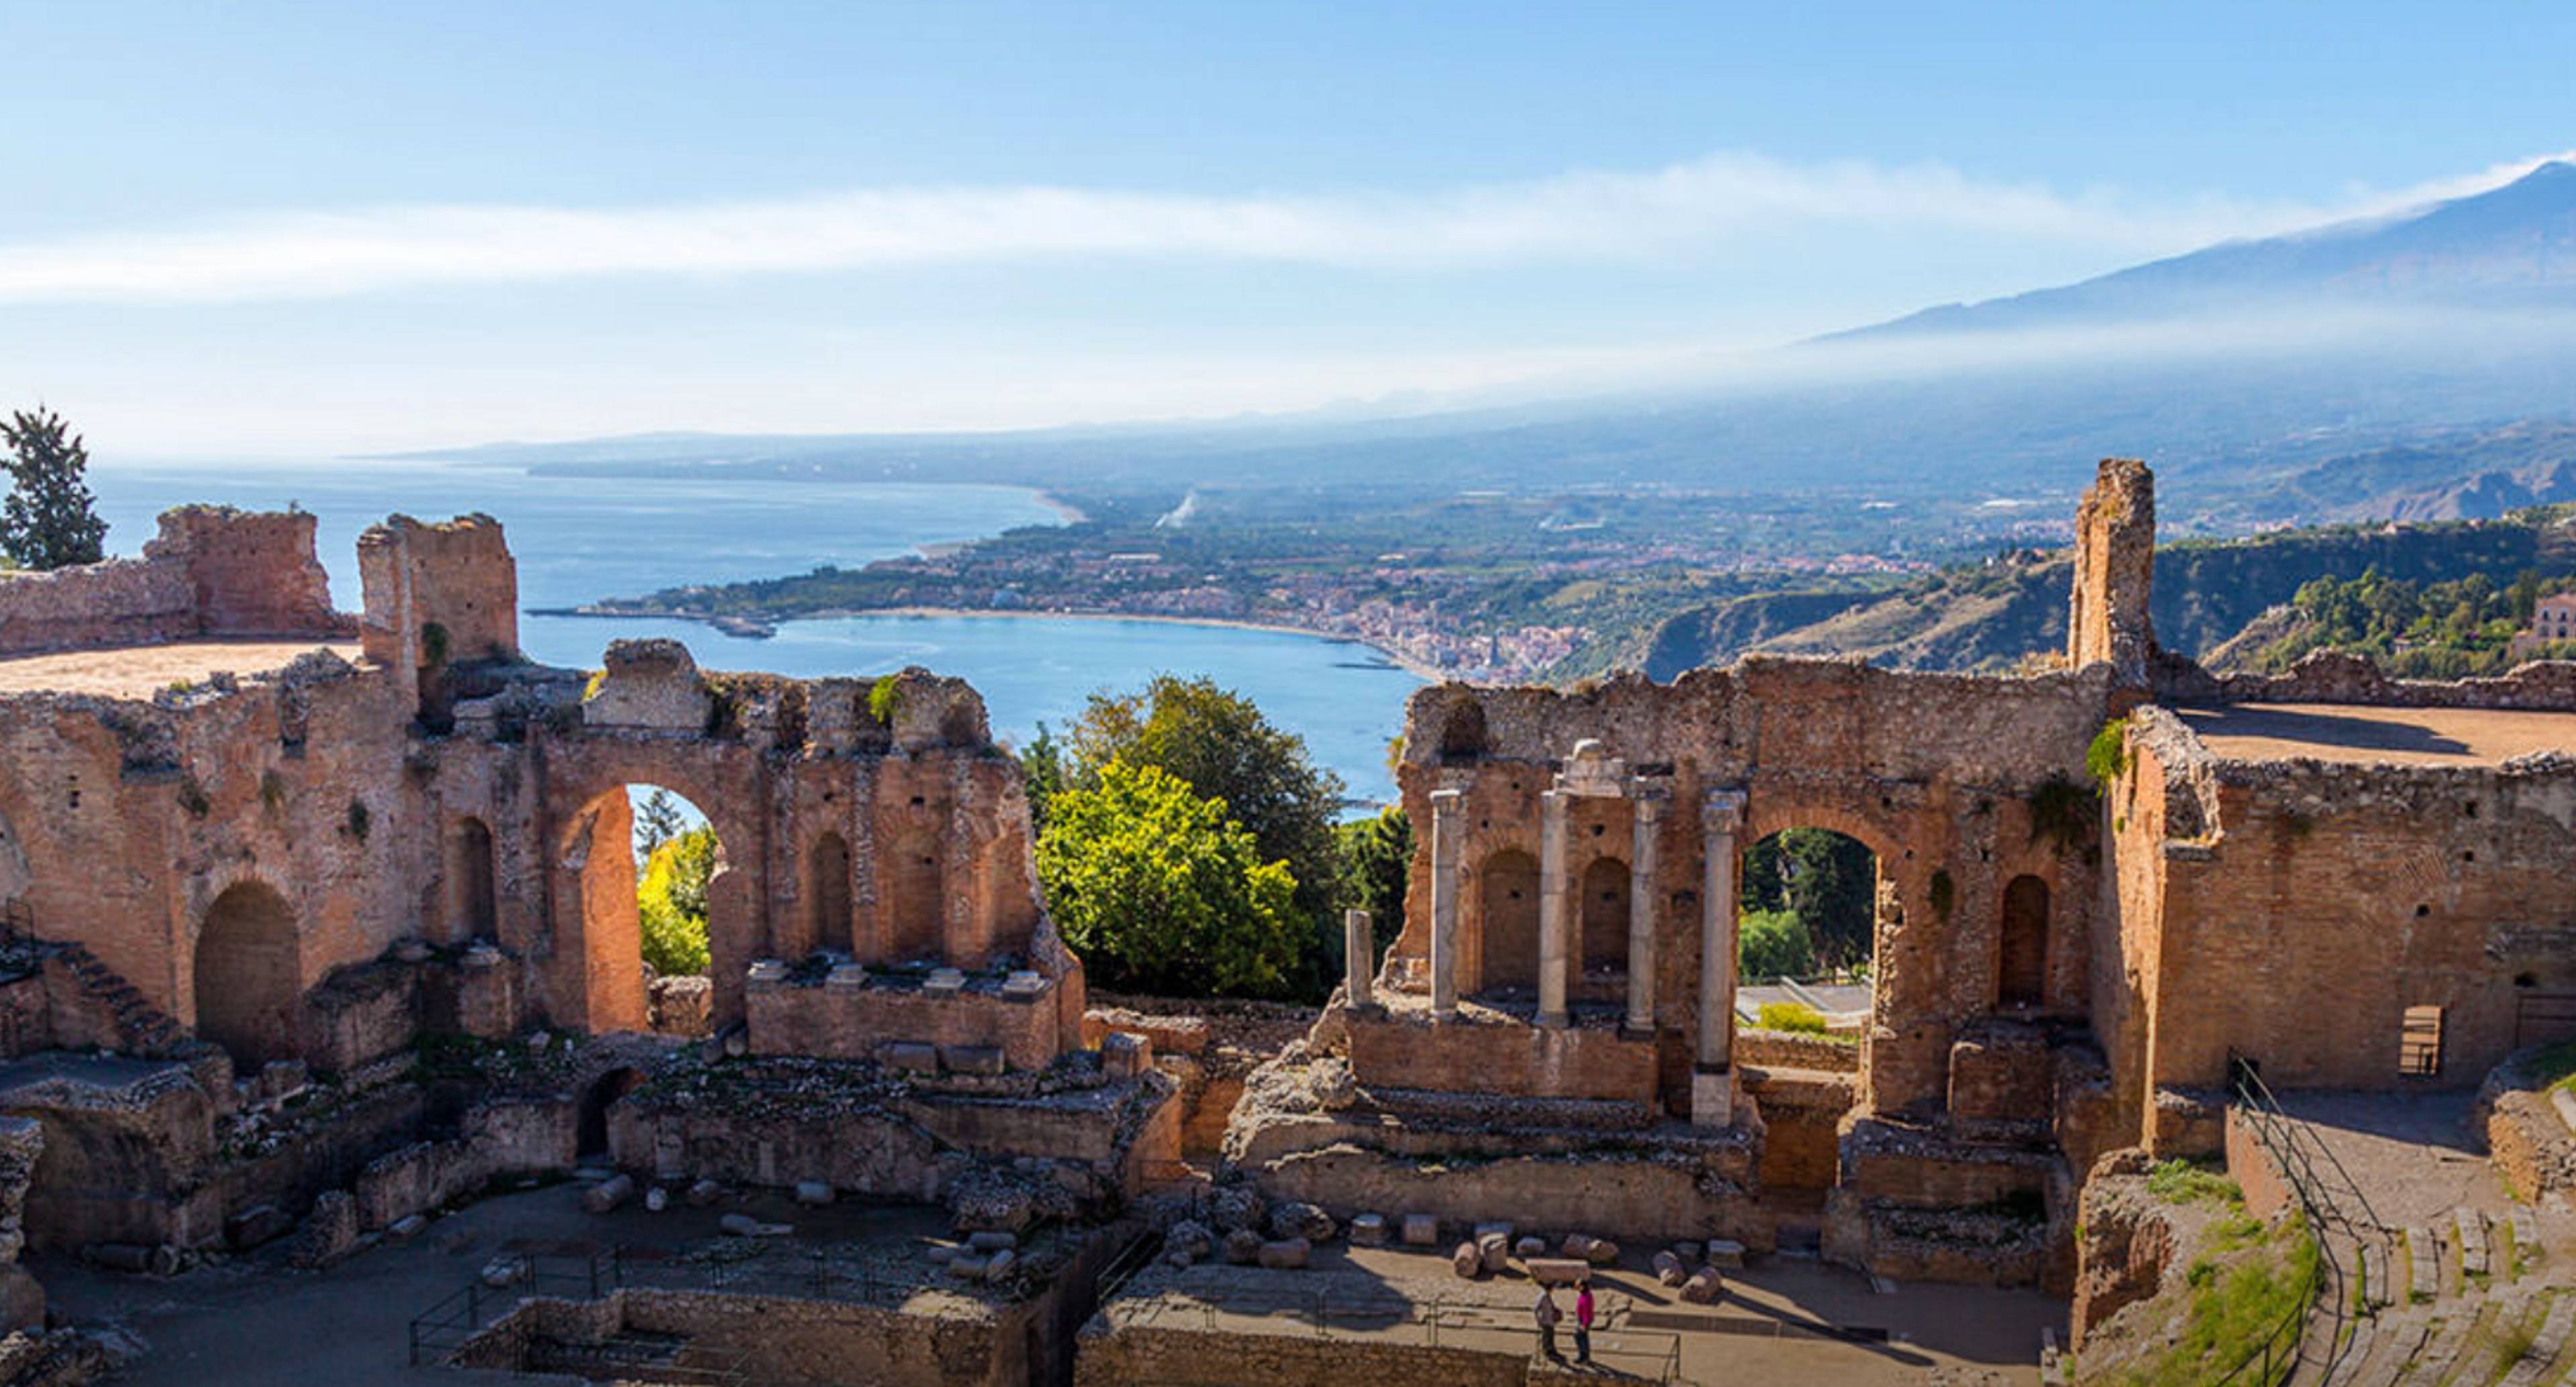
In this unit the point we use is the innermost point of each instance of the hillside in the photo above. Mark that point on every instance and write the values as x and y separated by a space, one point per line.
1993 616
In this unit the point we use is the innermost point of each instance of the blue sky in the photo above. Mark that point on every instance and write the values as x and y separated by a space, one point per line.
249 230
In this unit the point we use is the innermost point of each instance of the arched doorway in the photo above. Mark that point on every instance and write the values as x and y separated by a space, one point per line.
1809 906
1509 882
473 907
590 1127
647 870
1605 916
249 975
2021 966
827 893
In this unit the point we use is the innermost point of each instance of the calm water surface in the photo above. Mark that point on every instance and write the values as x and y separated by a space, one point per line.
577 539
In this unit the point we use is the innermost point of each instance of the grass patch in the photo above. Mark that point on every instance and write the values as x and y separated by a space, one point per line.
1790 1016
2513 1341
2233 1305
2186 1182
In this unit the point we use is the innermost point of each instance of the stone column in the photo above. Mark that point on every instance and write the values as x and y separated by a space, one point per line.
1551 907
1649 807
1448 834
1713 1076
1359 955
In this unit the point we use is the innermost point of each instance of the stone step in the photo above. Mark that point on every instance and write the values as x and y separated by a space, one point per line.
2551 1339
2378 1256
2441 1348
2395 1340
2423 1265
2472 1229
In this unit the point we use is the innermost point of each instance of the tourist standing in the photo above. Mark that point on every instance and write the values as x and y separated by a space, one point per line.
1548 1315
1583 1320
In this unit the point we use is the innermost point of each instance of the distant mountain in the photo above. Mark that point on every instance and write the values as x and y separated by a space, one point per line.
2511 247
2249 373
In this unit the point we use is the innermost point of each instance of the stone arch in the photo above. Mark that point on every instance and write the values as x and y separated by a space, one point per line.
248 974
1508 921
590 1126
912 898
1605 915
2021 963
827 892
473 901
596 880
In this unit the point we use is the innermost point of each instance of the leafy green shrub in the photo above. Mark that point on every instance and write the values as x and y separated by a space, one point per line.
882 698
2108 757
671 902
1789 1016
1773 944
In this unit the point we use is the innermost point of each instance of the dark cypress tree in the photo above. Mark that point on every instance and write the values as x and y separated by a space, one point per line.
50 519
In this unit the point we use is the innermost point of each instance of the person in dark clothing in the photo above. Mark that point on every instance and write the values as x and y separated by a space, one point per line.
1547 1315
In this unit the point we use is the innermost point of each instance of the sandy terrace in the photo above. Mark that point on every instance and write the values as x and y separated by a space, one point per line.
2402 736
136 671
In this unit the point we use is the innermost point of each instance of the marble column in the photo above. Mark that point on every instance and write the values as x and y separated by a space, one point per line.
1713 1076
1552 904
1359 957
1448 834
1649 808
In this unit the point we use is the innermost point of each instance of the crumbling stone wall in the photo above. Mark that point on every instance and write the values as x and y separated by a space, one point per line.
212 571
2115 558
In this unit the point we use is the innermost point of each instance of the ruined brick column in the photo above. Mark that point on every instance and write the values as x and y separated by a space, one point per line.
1359 955
1551 907
1448 830
1713 1076
1649 807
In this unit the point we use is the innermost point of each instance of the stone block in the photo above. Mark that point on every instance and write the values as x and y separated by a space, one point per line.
968 1266
767 972
1287 1254
1712 1100
1001 1264
846 977
992 1239
943 982
1497 1229
328 1233
1421 1230
1530 1247
1368 1230
255 1226
1600 1252
1187 1241
1023 986
1467 1261
1668 1269
1557 1271
911 1056
1125 1055
1236 1207
1704 1287
1688 1253
704 1193
1495 1250
973 1059
813 1193
656 1199
1297 1219
608 1193
1243 1247
1726 1253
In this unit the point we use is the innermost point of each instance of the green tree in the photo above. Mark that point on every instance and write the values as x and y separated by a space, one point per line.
671 902
1773 944
1157 889
50 520
1042 770
658 821
1829 881
1376 857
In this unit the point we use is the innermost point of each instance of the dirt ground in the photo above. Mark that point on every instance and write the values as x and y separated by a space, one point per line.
2400 736
137 671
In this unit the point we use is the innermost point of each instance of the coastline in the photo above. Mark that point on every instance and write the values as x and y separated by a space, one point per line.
1409 665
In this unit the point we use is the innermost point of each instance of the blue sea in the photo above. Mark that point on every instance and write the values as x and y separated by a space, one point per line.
579 539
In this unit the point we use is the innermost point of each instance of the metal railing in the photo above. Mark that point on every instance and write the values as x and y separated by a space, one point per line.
2331 1201
456 1321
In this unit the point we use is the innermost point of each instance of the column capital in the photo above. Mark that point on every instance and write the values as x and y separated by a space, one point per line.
1647 799
1722 811
1448 801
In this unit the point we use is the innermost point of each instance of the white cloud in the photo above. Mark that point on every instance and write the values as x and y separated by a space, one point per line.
1688 208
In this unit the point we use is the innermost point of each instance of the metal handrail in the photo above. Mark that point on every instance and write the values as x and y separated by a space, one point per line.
2282 1347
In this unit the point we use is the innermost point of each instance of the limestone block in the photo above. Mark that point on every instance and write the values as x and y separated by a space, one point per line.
255 1226
1287 1254
1688 1253
656 1199
1243 1247
912 1056
1466 1261
813 1193
1557 1271
505 1270
608 1193
1001 1264
943 982
1727 1253
1421 1230
846 977
1187 1241
1529 1247
328 1232
1496 1252
1125 1055
1023 986
767 972
1368 1230
1236 1207
968 1266
650 685
1297 1219
992 1240
1704 1287
704 1193
1500 1230
973 1059
939 1254
1600 1252
1668 1269
740 1225
407 1227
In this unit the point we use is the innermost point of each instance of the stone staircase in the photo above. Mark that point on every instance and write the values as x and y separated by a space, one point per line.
2460 1302
139 1027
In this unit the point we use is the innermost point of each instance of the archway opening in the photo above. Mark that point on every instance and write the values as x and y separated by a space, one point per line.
248 975
648 865
2021 964
1806 939
473 904
1605 916
827 894
590 1127
1508 896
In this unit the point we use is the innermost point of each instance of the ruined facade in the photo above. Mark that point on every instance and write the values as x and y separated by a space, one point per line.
2068 959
